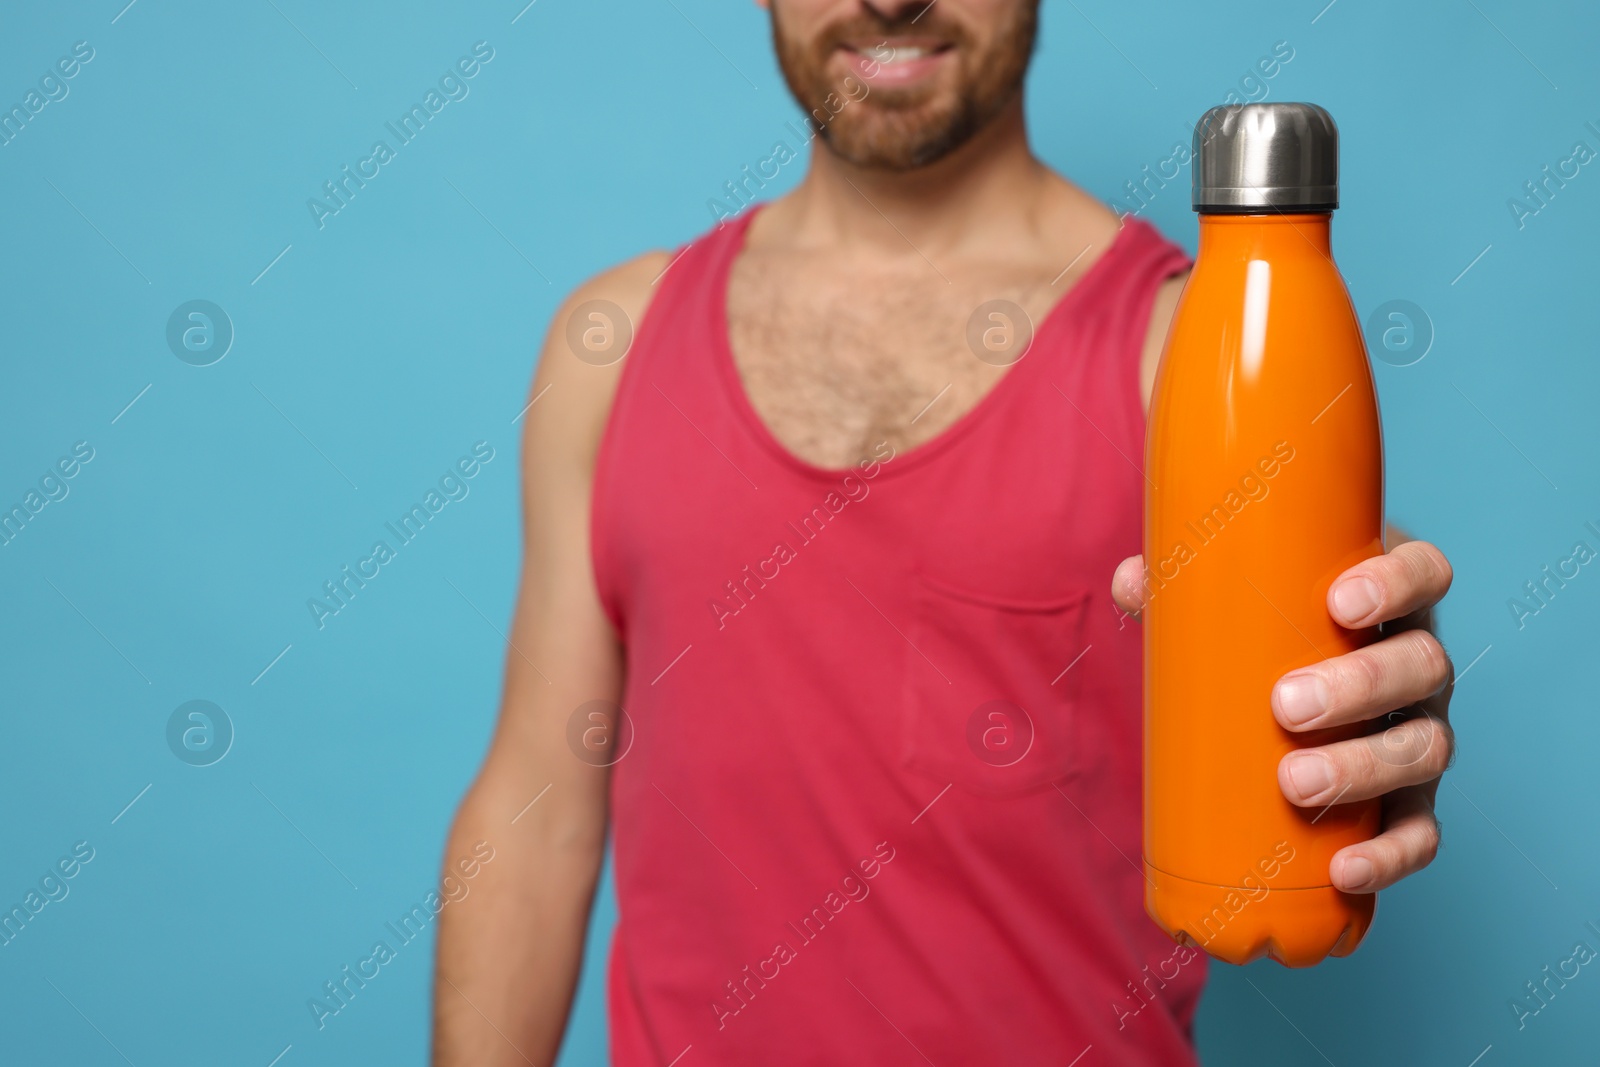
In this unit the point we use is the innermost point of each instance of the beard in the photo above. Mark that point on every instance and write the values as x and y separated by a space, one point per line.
903 128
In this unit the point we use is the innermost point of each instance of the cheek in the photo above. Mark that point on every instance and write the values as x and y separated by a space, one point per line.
801 24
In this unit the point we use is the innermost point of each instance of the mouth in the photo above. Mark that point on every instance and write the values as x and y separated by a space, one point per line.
895 61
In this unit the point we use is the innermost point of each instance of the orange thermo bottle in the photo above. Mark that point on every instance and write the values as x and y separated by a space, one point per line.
1264 481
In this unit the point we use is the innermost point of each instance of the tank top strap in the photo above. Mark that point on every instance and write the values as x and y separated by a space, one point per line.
685 300
1095 358
1152 259
671 346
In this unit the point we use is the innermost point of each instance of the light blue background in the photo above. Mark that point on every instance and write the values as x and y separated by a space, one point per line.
390 341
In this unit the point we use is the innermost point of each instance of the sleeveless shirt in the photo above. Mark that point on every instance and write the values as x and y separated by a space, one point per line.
882 798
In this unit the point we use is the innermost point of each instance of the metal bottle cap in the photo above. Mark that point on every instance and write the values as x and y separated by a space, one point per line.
1260 158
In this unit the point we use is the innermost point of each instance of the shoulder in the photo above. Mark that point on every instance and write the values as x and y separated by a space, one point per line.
585 349
1161 312
1077 218
628 287
629 284
1164 254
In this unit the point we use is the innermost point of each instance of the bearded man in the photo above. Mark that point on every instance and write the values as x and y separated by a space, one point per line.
809 502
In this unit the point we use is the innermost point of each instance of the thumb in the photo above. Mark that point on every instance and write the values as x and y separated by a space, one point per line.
1127 585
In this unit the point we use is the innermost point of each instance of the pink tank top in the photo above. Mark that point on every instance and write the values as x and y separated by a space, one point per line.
883 794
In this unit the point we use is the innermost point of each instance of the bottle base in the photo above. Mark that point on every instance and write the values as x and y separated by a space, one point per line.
1296 927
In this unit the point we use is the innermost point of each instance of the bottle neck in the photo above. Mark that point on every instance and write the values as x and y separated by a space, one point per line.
1261 236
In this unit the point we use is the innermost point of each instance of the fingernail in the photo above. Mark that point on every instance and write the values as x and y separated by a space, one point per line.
1356 598
1357 872
1301 698
1310 775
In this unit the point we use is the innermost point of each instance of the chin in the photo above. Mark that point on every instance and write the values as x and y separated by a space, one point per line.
899 140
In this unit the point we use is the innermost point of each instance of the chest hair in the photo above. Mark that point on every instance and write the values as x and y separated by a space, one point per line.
836 358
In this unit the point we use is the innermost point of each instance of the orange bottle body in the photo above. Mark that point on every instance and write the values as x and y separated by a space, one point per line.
1264 468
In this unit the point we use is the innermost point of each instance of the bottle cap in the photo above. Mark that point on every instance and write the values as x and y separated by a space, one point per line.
1260 158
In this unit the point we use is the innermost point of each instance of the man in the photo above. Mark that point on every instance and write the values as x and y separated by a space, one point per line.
819 516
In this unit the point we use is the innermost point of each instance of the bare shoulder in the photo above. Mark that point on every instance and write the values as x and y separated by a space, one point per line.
1155 339
585 349
629 284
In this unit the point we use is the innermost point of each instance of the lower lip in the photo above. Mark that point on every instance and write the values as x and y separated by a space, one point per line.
903 72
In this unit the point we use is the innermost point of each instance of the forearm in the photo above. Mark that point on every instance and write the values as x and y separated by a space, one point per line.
509 954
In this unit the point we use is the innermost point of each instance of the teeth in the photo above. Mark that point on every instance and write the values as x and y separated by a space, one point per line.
906 54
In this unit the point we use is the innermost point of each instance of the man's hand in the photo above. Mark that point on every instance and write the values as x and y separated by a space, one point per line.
1401 683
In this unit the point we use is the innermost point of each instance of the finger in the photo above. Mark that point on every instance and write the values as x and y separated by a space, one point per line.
1410 752
1127 585
1409 842
1390 586
1393 673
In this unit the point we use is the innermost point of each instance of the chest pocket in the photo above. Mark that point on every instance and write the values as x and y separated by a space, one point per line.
989 702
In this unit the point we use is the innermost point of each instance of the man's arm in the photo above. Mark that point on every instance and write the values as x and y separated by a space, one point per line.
1162 310
509 954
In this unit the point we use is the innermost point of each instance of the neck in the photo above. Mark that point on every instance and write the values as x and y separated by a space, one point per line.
992 179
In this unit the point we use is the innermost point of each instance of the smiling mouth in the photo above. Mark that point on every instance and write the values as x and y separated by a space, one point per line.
895 59
889 52
896 50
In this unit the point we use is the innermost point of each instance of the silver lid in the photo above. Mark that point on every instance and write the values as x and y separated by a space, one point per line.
1260 158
